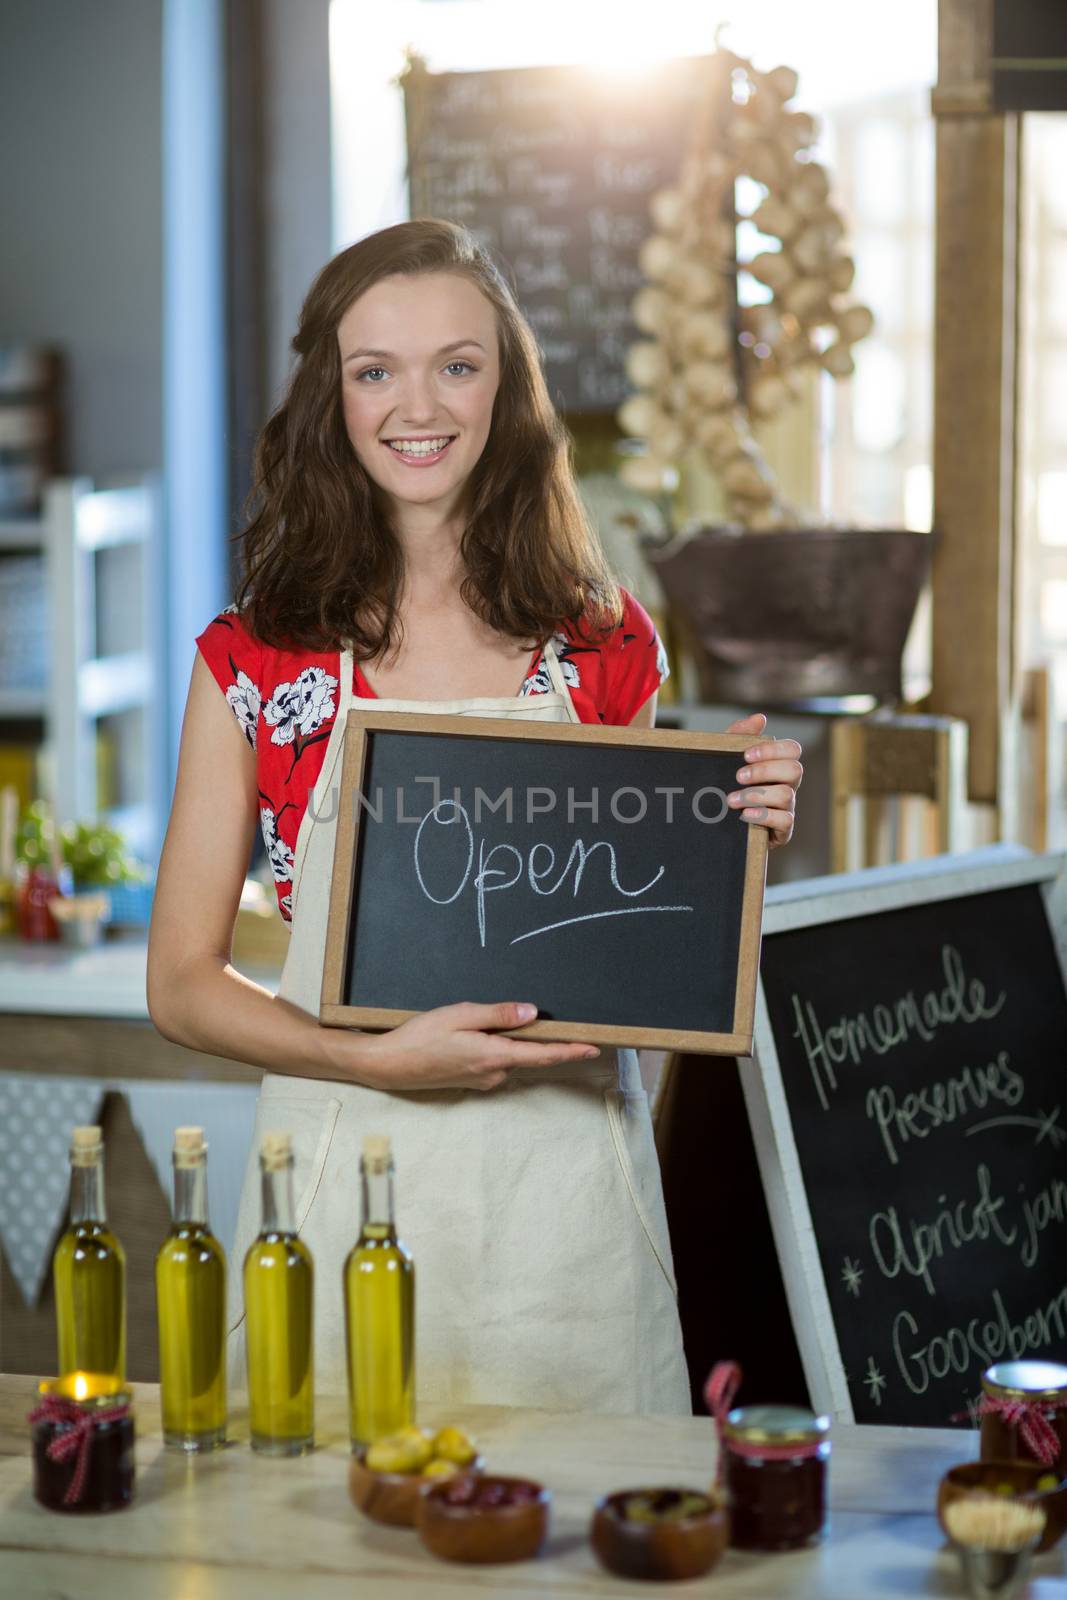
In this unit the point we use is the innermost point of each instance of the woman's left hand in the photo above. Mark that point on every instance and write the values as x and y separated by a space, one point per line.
771 775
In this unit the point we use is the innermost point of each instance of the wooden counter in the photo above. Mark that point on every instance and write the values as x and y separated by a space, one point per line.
237 1527
83 1013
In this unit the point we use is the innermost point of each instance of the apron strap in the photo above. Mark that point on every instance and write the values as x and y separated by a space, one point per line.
555 676
346 675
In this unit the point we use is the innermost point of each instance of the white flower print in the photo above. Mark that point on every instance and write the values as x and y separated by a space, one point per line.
539 682
278 852
286 904
663 666
245 701
296 709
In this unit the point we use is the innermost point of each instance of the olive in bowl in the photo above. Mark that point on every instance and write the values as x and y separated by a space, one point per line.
1027 1483
483 1518
385 1479
659 1534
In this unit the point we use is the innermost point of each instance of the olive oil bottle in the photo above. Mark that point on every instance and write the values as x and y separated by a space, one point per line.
89 1270
279 1289
379 1286
191 1305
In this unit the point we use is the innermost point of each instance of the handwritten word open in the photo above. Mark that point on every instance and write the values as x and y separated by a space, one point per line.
502 866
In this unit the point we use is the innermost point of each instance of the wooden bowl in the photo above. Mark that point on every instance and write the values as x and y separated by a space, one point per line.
391 1497
983 1477
659 1550
483 1533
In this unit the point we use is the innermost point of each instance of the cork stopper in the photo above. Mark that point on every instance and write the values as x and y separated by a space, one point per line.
190 1147
377 1152
86 1147
276 1151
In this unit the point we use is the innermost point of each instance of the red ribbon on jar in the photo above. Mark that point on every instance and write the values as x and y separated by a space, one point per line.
720 1391
1030 1418
55 1409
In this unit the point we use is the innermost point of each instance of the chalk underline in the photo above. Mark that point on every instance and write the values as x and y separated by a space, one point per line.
1045 1124
594 916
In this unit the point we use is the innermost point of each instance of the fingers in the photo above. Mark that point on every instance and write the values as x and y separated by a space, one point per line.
784 771
775 750
774 796
522 1053
755 722
467 1014
779 823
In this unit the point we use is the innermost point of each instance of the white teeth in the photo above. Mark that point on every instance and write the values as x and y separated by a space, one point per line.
418 447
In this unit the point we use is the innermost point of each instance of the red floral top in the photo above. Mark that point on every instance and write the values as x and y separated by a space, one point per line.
286 700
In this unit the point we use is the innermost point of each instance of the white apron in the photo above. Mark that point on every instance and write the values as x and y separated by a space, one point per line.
534 1211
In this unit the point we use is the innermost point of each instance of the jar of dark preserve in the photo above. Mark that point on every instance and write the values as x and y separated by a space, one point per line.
775 1465
83 1441
1024 1413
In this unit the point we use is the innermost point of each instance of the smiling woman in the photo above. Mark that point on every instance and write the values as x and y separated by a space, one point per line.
416 518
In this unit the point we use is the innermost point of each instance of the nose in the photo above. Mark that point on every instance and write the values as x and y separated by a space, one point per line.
417 406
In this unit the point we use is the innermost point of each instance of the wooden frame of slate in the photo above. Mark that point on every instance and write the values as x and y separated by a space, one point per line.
681 980
914 1255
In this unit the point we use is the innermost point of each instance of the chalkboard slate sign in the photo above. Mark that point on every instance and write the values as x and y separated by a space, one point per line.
910 1109
552 169
594 871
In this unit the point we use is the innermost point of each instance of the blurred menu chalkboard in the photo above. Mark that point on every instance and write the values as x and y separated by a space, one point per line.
914 1063
1029 55
552 169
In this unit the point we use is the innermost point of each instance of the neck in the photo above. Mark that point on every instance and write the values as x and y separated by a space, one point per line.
190 1194
429 537
278 1199
87 1194
378 1204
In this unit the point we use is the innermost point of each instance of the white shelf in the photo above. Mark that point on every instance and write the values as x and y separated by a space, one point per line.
23 702
79 525
21 533
114 683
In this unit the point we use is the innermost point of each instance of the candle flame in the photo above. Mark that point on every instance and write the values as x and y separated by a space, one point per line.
81 1386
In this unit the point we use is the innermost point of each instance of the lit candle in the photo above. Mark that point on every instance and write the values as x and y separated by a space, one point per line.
83 1443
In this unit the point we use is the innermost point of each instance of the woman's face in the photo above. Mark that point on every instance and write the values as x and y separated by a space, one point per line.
419 364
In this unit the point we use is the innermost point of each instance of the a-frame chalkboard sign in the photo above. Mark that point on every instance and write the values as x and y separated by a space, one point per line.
908 1100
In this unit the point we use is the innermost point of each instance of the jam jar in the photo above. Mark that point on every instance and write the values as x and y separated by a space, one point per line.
1024 1413
775 1476
83 1439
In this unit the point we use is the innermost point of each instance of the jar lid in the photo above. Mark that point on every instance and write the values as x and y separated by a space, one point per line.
776 1425
1026 1380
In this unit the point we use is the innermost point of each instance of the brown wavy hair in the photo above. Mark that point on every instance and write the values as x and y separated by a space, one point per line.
322 563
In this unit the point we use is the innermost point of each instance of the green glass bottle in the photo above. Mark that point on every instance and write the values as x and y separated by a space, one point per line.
191 1305
89 1270
279 1283
379 1289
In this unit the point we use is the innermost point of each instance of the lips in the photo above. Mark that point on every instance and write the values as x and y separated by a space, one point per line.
421 458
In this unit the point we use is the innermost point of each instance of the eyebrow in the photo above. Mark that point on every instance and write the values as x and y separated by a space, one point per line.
388 355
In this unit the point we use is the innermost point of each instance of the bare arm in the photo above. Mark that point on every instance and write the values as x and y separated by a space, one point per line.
196 997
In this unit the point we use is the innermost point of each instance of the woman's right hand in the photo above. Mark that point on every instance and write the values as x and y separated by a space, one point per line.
457 1047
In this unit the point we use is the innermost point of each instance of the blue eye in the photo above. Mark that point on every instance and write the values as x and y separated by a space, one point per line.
367 371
